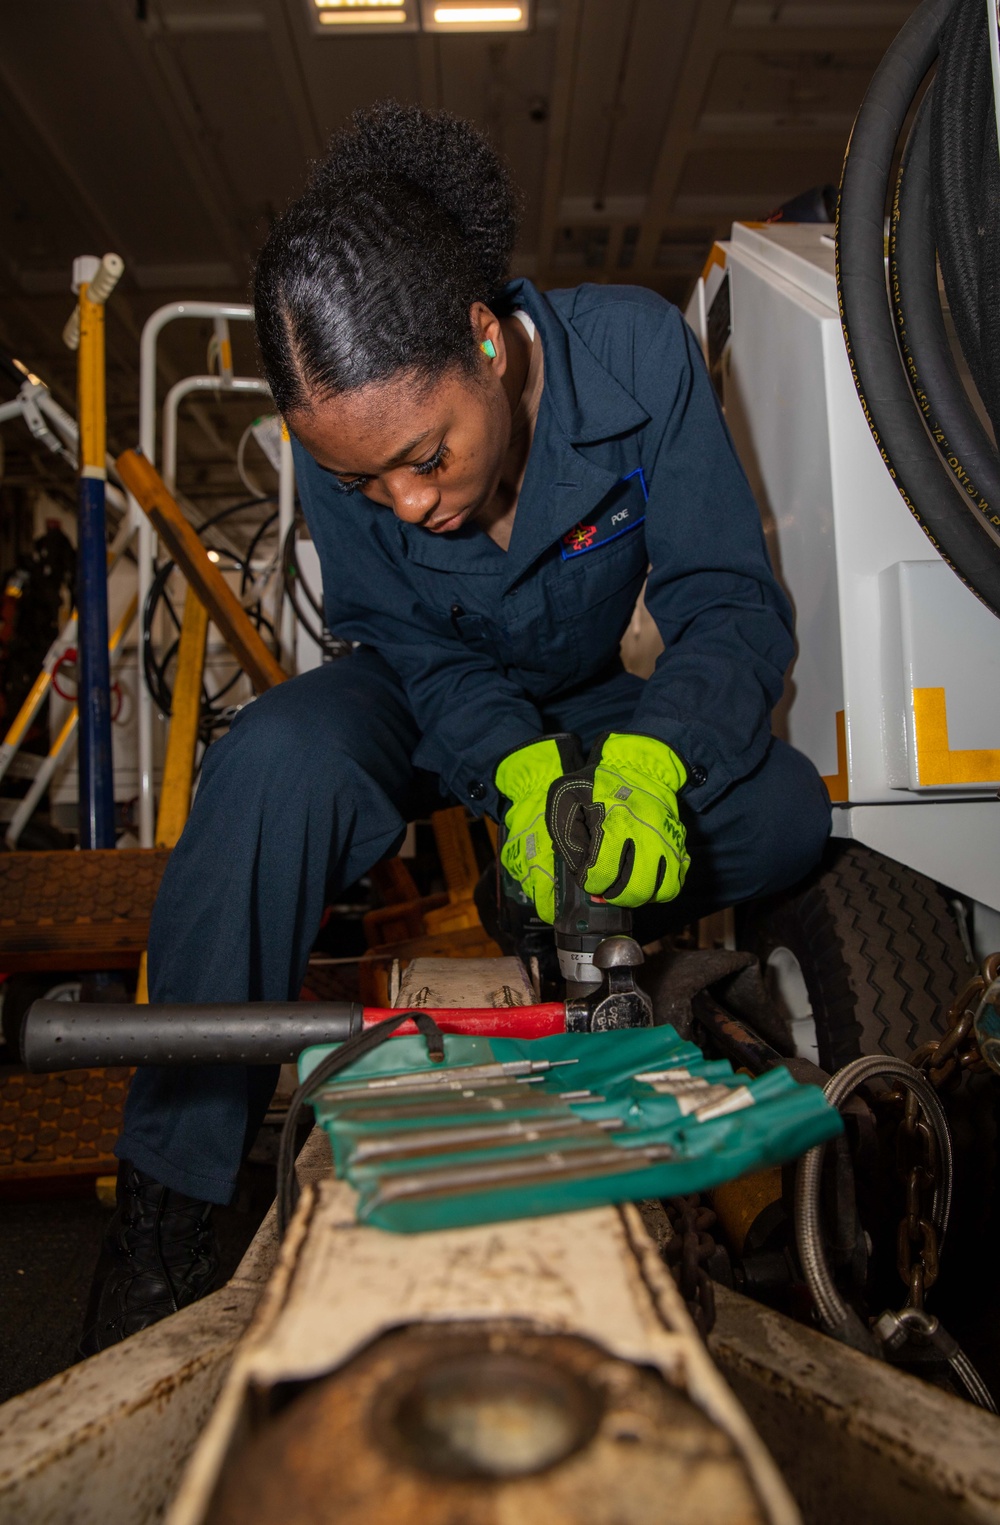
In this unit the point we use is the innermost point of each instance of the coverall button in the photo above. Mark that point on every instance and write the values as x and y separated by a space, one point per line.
457 611
698 775
477 790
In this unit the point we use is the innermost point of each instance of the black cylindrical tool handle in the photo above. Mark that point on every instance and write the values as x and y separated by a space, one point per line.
65 1035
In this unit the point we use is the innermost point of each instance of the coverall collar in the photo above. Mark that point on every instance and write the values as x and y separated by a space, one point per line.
589 403
582 404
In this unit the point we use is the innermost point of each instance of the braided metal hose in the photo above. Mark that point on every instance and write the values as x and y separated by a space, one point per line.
972 1381
836 1317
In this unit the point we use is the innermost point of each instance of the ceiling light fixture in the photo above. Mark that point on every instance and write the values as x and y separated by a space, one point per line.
363 16
481 13
440 16
390 17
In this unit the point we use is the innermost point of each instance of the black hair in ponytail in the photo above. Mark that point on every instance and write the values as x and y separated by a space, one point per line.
409 220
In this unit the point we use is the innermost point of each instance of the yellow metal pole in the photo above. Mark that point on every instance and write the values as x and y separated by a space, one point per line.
91 388
29 709
182 742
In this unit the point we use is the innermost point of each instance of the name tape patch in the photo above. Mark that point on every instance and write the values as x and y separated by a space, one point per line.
624 516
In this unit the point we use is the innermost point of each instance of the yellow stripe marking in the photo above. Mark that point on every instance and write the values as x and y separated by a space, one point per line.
837 783
937 764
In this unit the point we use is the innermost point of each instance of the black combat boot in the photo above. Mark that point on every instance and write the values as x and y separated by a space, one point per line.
159 1254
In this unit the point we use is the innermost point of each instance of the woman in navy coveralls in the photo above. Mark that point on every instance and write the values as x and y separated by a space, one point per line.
486 492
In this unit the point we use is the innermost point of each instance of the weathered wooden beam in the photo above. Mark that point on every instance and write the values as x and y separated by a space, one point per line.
856 1439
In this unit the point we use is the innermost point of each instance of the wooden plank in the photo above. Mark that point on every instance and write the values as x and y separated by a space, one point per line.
244 641
182 742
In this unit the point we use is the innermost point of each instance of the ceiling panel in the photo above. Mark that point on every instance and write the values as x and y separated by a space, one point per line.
502 85
793 88
605 53
84 93
42 223
244 115
636 129
656 57
759 181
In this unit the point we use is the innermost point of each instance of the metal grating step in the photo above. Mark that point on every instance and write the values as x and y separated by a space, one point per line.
77 910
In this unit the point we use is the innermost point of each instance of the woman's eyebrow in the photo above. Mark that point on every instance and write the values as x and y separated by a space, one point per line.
405 451
396 460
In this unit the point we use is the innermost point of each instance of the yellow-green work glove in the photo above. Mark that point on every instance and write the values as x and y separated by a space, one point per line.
523 779
615 821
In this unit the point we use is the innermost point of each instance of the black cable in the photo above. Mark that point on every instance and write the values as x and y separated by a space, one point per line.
929 491
965 177
347 1053
251 550
954 426
298 581
153 671
330 645
213 716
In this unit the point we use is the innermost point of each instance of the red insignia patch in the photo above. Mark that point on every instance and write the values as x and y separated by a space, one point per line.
580 537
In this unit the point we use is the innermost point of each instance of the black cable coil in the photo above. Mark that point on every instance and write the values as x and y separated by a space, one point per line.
941 458
307 608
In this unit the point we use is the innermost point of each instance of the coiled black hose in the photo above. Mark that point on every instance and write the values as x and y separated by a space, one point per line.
966 182
930 366
931 493
312 619
155 667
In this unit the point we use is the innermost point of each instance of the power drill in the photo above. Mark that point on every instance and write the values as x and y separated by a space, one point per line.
592 951
583 922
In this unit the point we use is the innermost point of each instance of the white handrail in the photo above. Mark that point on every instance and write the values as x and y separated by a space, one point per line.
152 329
177 394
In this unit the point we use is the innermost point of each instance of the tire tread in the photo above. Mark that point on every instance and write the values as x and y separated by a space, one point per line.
880 951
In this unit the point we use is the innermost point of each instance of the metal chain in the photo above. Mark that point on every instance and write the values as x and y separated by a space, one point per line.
944 1061
688 1252
917 1165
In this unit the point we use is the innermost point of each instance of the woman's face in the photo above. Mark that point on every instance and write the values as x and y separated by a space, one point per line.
431 453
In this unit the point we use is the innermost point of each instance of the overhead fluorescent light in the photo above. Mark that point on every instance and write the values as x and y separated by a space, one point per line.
463 16
457 14
363 16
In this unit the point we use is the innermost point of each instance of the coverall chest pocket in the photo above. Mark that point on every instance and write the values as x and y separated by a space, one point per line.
476 633
600 580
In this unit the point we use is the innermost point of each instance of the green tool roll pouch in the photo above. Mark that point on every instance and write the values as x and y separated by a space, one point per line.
704 1136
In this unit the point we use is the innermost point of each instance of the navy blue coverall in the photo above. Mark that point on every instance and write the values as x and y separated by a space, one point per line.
466 652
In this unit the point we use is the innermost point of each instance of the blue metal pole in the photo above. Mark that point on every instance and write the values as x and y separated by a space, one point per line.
97 792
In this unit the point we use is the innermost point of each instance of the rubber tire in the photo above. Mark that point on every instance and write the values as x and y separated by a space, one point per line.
879 949
882 960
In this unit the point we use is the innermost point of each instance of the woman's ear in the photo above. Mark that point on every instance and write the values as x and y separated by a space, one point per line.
489 337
